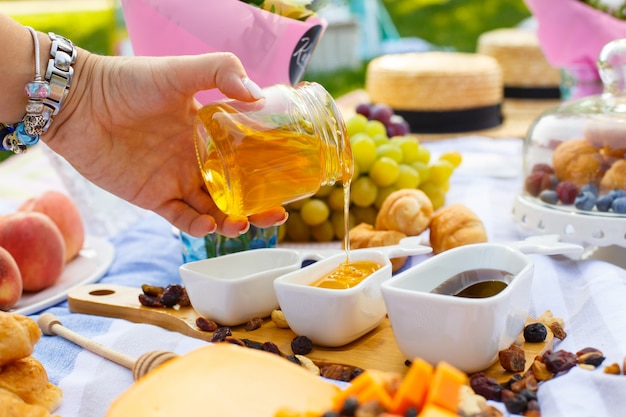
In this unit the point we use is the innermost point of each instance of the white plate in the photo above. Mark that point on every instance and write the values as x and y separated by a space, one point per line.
90 265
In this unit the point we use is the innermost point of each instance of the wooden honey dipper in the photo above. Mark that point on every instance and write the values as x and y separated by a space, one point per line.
50 325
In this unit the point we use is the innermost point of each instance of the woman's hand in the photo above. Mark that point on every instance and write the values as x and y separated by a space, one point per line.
127 126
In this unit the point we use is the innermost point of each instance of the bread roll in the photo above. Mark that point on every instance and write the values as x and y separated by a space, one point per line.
577 161
407 210
455 225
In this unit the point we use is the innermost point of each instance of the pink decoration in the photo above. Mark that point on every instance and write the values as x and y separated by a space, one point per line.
273 49
572 33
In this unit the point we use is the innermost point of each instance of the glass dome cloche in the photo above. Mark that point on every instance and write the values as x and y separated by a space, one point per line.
575 163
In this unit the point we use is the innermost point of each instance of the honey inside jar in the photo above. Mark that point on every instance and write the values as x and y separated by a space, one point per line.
347 275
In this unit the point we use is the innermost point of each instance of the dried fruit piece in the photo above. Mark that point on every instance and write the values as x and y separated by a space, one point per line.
254 324
206 325
591 358
540 371
486 386
513 359
221 334
612 369
301 345
535 332
557 330
154 290
559 361
149 300
171 295
337 372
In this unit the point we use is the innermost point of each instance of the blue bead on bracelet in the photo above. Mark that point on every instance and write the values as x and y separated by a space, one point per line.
19 136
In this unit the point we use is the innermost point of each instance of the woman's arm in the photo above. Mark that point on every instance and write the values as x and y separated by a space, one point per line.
127 126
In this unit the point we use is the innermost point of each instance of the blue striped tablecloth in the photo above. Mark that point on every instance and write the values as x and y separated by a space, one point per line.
589 294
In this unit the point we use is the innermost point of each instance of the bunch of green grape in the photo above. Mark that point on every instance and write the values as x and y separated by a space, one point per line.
382 164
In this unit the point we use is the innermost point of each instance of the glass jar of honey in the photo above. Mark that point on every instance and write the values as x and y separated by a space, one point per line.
255 156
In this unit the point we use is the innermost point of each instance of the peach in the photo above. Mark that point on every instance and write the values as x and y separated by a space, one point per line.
10 281
65 214
37 246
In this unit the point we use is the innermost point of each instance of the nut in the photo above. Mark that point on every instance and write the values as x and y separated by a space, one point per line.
557 330
254 324
278 317
540 371
308 364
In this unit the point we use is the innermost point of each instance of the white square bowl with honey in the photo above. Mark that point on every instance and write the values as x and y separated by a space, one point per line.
336 314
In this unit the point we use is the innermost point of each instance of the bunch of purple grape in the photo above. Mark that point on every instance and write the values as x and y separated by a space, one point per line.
395 124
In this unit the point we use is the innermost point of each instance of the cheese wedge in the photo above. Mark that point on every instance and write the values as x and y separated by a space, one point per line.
228 381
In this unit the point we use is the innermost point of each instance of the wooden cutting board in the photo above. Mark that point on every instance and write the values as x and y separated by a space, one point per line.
375 350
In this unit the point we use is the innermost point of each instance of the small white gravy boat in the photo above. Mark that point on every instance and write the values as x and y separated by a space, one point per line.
234 288
466 332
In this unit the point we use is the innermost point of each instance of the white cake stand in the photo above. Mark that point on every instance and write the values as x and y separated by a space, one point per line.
590 229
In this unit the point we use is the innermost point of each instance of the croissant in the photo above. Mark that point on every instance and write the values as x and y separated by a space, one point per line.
28 379
365 236
13 406
18 335
407 210
455 225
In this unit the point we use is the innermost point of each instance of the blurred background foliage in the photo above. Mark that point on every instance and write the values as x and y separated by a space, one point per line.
97 25
453 24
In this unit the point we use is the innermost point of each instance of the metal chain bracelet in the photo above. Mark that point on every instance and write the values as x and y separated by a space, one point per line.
45 95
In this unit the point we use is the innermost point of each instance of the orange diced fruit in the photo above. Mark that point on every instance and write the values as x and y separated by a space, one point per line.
445 387
357 386
433 410
412 391
375 392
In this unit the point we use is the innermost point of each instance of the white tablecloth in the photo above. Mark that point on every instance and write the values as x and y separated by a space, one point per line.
588 294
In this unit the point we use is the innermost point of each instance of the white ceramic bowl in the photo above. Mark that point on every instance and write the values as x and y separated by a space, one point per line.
465 332
333 317
234 288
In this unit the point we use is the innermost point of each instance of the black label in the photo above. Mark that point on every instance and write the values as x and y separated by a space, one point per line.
302 53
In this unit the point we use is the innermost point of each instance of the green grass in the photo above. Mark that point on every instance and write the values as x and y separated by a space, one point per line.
455 24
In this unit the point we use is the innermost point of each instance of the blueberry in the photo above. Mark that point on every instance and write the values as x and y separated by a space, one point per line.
603 203
619 205
617 193
585 200
549 196
592 188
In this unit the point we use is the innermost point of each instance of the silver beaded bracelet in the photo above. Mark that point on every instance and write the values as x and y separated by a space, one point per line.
45 95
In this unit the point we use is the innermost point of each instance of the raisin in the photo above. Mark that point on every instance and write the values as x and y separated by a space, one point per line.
349 407
221 334
206 325
528 394
184 300
171 295
254 324
149 300
301 345
559 361
234 341
516 404
411 412
356 372
535 333
486 386
253 344
271 347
